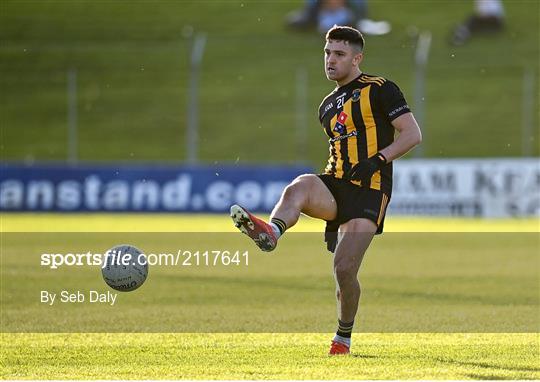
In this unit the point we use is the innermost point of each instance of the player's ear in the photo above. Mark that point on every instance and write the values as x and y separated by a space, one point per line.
358 57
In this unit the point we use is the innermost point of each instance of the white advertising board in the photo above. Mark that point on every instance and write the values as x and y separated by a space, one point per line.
467 187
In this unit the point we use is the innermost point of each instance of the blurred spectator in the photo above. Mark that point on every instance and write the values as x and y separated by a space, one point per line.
324 14
488 18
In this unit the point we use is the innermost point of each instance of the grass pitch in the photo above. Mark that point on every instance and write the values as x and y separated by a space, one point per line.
408 286
269 356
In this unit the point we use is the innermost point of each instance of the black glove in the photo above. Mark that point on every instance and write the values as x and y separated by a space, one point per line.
364 170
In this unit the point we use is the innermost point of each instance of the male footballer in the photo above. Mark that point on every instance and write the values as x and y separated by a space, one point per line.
360 117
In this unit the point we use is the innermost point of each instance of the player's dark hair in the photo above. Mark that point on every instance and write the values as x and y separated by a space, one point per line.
343 33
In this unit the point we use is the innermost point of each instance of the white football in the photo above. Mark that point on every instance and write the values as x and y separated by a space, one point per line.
125 268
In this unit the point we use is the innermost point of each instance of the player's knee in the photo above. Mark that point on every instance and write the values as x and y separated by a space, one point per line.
304 181
345 272
298 189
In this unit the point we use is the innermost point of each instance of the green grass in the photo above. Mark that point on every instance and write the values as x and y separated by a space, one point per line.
132 63
413 282
46 222
269 356
434 305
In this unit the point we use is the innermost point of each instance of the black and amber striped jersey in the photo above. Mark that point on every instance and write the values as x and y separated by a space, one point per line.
357 118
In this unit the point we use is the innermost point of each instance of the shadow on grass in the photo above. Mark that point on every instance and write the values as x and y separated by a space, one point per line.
364 356
489 377
492 366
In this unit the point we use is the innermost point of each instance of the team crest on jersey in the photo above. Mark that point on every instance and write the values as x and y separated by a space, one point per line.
355 95
339 127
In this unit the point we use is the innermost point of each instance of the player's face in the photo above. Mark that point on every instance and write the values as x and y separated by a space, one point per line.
340 60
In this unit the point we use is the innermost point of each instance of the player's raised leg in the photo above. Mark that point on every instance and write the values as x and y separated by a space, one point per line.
354 238
306 194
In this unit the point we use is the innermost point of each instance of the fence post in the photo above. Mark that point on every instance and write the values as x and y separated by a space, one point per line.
301 114
192 132
72 116
527 112
420 63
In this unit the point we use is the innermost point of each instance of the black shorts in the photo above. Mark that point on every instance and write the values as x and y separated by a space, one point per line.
353 202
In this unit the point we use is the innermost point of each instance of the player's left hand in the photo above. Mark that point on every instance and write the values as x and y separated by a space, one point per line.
364 170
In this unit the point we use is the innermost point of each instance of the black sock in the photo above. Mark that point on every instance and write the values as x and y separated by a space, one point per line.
344 329
280 224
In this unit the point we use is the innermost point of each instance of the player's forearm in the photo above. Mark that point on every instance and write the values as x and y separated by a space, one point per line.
407 139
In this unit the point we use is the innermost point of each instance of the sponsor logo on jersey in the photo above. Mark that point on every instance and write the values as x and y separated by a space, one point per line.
395 111
340 124
342 137
328 107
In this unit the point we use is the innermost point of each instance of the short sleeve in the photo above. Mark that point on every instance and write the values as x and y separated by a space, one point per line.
392 101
